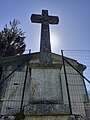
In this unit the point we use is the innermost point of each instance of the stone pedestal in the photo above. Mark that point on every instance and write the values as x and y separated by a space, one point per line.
45 91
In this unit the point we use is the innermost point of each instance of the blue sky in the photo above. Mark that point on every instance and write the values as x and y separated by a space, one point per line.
72 32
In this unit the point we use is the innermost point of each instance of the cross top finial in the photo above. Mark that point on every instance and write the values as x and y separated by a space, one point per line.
45 12
45 46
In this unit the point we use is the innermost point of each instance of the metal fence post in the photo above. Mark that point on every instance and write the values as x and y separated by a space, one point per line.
21 107
66 82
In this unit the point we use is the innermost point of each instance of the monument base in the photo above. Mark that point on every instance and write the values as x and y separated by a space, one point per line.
46 109
63 117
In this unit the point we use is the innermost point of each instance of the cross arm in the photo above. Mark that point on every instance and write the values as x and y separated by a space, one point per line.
53 20
36 18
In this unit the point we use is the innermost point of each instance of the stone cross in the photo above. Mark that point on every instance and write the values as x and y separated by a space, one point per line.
45 46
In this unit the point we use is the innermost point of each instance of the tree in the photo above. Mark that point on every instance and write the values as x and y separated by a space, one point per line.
12 40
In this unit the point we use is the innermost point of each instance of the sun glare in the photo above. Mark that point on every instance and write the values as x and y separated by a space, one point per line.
54 41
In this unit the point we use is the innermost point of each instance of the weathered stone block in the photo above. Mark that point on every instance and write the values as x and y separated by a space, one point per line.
46 109
45 85
66 117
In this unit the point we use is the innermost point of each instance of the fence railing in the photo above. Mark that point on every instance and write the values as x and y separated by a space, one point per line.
12 86
76 67
83 57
